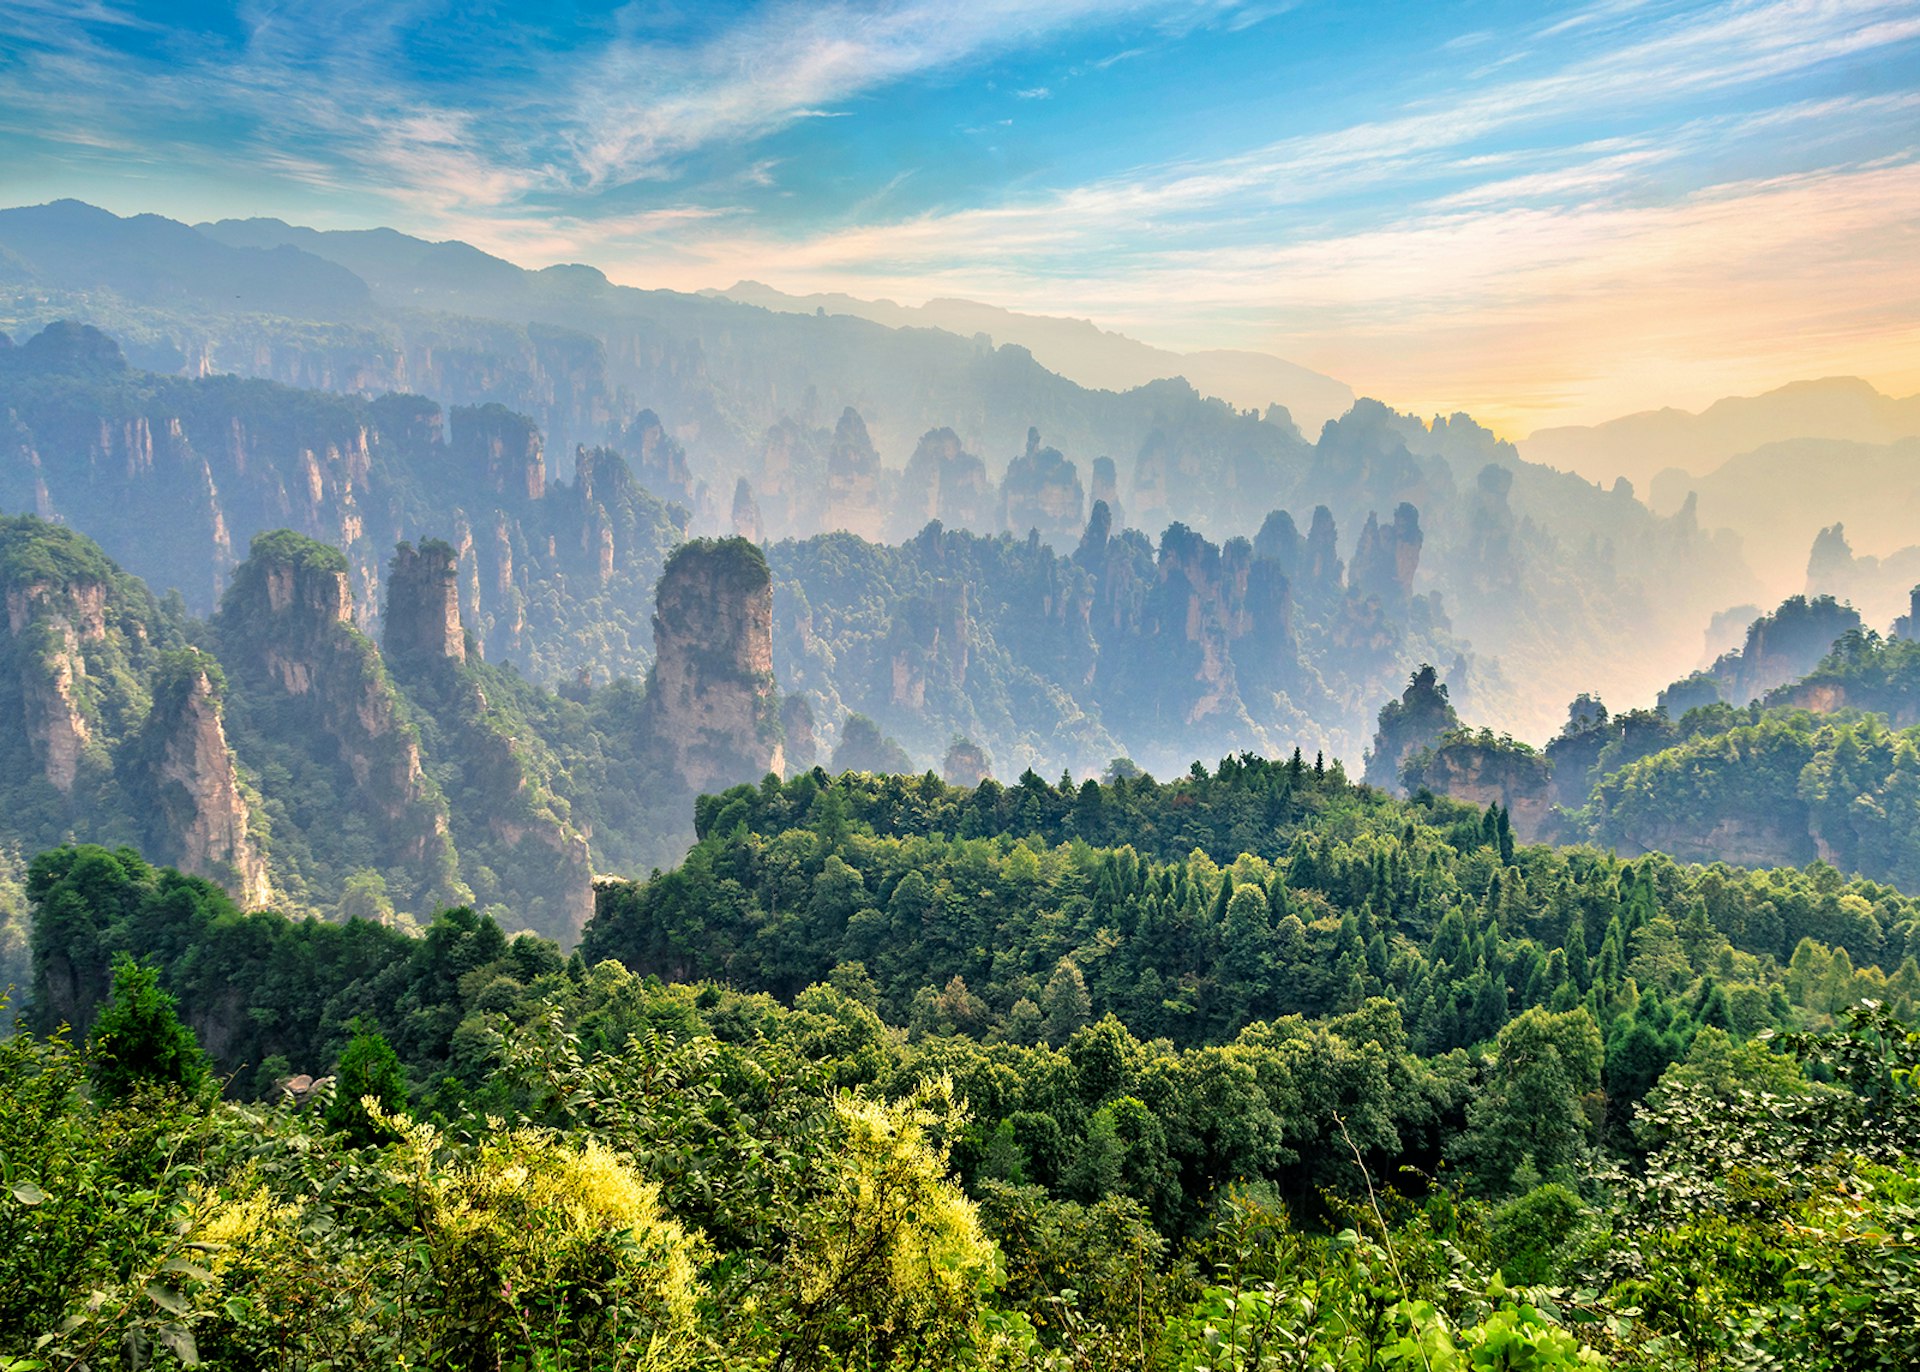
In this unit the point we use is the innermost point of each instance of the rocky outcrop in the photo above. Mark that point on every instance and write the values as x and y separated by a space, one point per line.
853 479
509 825
422 617
200 821
790 481
1410 726
930 636
1483 771
1279 542
1783 647
1741 840
501 449
966 764
53 623
1386 559
287 622
801 742
658 460
746 513
712 707
944 481
1042 492
1320 561
1106 487
1907 626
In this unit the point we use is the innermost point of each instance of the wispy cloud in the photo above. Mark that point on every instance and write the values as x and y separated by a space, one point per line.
1591 188
644 105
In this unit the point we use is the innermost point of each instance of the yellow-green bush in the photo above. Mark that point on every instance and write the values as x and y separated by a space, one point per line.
888 1264
536 1234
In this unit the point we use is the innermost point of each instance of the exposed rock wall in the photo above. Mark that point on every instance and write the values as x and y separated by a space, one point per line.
944 481
1387 557
288 617
52 624
853 480
422 617
201 822
1042 491
712 705
966 764
1743 841
502 449
1483 773
746 513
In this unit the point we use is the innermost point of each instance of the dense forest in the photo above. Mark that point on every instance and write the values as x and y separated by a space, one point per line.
893 1073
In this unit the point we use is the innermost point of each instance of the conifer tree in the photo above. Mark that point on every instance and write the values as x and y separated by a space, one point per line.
139 1038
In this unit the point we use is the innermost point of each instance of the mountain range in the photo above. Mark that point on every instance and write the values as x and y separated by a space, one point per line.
1084 353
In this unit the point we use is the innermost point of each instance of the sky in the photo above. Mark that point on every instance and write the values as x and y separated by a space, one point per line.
1539 214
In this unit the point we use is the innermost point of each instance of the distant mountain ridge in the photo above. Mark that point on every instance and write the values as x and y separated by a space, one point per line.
1779 497
1081 351
1640 446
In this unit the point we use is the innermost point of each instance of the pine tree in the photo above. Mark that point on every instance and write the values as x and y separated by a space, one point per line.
369 1067
139 1038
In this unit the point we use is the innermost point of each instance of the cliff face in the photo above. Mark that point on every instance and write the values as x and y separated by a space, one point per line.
422 619
790 478
943 481
1740 840
966 764
1386 558
114 714
201 822
746 513
316 684
1106 489
516 841
1042 491
931 636
52 625
658 460
853 479
801 742
502 450
175 477
1783 646
712 706
1484 773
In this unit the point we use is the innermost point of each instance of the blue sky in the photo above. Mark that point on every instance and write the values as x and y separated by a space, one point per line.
1537 213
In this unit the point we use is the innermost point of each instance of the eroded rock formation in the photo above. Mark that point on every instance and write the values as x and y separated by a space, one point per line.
422 617
1042 491
711 701
200 820
1484 771
287 620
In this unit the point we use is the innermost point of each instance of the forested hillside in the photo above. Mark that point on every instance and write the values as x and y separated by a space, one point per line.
1802 744
1408 1095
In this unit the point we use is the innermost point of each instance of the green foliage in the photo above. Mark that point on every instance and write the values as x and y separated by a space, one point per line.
1336 894
369 1070
668 1177
1532 1111
1027 1100
138 1040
